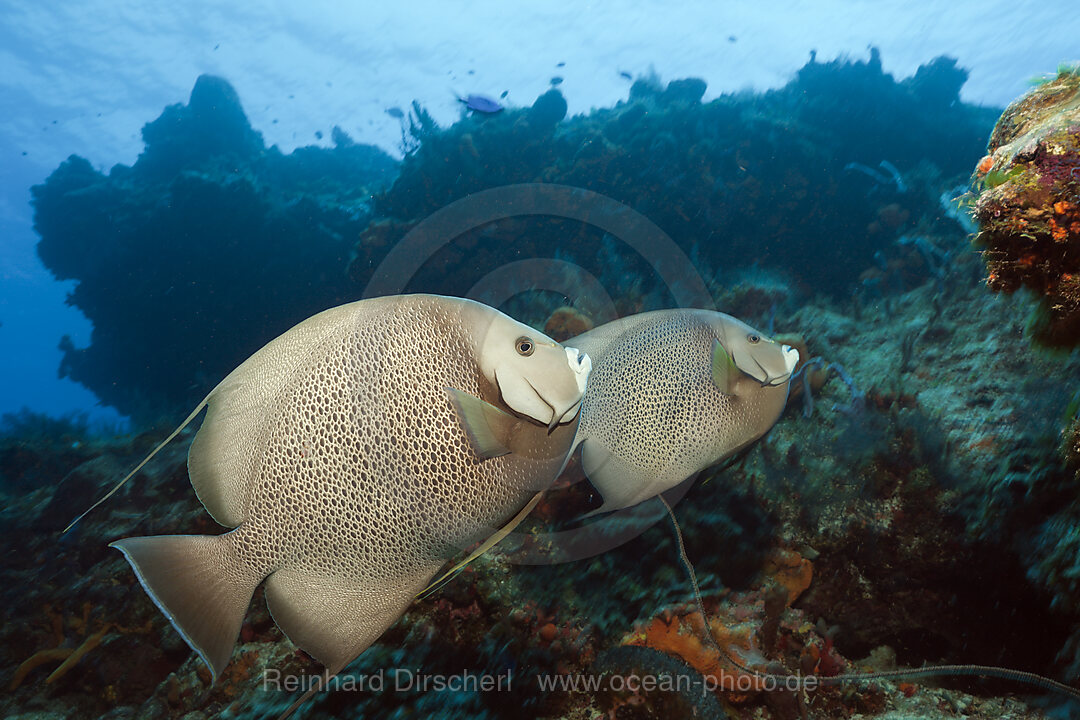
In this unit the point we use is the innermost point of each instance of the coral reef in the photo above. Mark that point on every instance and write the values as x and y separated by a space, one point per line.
680 631
1028 205
36 449
741 179
932 488
211 243
207 247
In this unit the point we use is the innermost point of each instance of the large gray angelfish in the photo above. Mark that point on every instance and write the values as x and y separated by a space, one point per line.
353 455
671 393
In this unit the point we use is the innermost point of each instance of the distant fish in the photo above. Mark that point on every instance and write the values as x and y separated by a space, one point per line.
481 104
560 64
395 112
503 94
557 80
626 75
318 134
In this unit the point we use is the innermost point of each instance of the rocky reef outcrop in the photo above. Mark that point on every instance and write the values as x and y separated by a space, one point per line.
1028 205
919 469
816 177
203 250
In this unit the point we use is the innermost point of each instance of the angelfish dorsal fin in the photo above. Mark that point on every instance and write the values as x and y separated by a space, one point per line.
724 371
487 426
198 409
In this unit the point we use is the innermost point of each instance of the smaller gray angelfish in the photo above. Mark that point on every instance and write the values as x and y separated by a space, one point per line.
671 393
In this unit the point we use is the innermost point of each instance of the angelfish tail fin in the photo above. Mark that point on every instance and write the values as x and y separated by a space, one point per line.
200 585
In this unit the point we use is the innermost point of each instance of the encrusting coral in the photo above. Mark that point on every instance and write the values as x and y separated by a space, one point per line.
1028 206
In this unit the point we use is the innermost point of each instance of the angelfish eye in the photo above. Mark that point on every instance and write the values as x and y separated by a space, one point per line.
753 339
525 346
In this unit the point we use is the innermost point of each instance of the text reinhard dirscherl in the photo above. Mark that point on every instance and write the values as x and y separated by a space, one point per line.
404 680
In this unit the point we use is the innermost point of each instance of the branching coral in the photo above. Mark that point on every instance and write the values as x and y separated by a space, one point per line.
67 655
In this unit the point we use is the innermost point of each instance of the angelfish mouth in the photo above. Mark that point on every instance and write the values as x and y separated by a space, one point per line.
580 364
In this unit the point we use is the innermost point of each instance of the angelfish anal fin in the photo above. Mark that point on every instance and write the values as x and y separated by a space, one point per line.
724 371
489 428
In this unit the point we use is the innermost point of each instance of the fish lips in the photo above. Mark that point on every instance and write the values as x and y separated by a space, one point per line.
581 365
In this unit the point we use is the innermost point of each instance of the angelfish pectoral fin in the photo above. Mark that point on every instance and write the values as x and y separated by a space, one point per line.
724 370
488 427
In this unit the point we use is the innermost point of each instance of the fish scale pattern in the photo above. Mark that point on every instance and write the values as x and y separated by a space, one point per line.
675 413
369 457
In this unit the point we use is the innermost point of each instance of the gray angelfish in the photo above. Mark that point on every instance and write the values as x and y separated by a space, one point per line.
353 456
671 393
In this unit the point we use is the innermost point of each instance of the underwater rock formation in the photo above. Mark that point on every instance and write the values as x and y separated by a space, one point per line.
777 179
211 243
1028 208
204 249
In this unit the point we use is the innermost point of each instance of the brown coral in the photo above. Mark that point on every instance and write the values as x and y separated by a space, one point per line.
567 322
69 656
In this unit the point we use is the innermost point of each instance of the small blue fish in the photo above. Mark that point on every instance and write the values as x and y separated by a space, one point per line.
395 112
481 104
